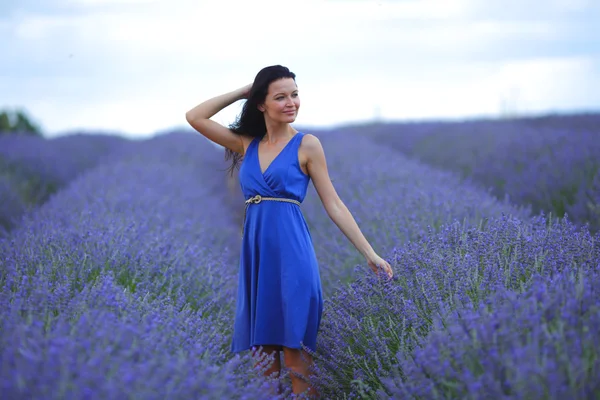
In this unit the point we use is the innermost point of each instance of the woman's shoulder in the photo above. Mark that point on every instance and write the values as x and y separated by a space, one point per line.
309 140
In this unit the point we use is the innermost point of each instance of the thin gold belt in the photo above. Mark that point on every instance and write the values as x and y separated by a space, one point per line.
258 198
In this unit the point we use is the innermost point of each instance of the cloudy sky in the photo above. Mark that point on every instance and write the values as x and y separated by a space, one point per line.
136 66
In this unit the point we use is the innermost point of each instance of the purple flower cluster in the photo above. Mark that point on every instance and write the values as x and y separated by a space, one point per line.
33 168
393 199
371 324
105 342
586 121
56 160
541 344
12 206
122 284
531 162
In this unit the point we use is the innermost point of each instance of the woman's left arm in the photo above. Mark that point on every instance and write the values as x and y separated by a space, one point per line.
316 166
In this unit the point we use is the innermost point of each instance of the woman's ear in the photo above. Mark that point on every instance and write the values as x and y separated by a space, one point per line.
261 108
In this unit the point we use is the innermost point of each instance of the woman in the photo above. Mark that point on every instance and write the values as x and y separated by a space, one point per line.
279 301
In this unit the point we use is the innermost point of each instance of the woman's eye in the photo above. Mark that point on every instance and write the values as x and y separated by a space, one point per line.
281 97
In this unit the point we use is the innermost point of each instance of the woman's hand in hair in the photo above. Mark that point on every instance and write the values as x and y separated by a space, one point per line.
245 91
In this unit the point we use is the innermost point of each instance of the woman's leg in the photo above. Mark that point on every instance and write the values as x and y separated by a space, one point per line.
275 367
298 362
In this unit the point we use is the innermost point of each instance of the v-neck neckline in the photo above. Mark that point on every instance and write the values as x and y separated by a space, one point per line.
275 158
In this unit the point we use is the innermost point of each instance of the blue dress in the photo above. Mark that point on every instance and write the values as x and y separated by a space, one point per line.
279 298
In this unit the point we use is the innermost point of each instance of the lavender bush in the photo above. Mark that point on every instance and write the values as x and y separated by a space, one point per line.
106 342
121 285
128 213
548 168
57 160
587 203
589 121
369 322
11 206
38 167
538 345
393 199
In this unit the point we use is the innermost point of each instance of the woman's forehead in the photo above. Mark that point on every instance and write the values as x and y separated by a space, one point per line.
285 85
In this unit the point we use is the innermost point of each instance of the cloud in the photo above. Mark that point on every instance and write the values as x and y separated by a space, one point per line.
531 10
540 81
138 65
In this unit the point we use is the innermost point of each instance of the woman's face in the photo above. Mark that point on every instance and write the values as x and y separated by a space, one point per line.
282 101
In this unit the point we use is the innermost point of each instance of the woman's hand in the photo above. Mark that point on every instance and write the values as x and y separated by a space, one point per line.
245 91
375 262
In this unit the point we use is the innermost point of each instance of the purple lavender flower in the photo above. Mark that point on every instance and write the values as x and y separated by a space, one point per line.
393 199
538 344
39 167
11 206
122 284
369 323
543 163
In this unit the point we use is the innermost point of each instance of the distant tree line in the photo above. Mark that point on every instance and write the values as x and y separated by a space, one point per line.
16 122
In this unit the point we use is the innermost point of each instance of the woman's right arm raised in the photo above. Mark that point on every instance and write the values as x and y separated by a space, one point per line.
199 118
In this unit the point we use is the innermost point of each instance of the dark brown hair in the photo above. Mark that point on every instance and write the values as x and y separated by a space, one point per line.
251 120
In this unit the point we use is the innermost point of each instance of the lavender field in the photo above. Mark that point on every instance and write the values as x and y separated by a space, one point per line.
33 168
118 264
550 163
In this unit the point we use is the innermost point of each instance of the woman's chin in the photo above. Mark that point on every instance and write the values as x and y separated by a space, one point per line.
286 118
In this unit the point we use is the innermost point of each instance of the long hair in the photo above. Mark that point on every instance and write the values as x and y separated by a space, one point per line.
251 120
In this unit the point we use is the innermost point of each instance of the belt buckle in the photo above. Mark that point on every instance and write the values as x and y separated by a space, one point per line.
256 199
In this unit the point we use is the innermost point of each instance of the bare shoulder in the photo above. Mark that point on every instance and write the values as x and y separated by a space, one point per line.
311 144
311 153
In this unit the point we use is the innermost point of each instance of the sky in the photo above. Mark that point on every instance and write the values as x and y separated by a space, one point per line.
136 66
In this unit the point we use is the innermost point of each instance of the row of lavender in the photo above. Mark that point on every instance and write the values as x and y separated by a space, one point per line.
33 168
470 270
393 199
510 311
120 285
126 275
552 164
